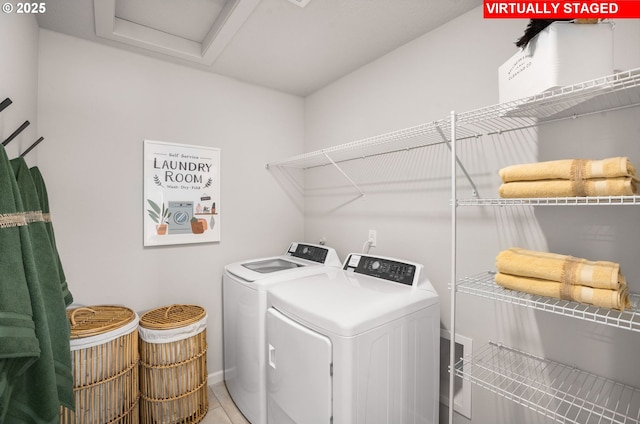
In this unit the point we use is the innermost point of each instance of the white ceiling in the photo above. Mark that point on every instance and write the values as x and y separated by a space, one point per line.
271 43
187 19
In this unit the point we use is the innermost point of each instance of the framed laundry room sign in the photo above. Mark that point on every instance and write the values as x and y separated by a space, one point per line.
181 193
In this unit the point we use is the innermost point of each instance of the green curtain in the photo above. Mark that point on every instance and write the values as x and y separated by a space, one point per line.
21 303
48 383
43 198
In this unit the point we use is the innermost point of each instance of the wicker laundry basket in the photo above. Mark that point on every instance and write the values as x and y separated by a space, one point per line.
173 365
104 355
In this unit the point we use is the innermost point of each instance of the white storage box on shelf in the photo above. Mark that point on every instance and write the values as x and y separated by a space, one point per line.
564 53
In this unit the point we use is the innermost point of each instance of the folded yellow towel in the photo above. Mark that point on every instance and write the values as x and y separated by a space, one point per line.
624 186
569 169
560 268
613 299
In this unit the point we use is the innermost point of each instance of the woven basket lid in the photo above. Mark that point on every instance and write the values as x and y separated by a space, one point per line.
94 320
173 316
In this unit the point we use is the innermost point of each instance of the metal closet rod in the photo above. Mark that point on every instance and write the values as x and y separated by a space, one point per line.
31 147
16 132
6 102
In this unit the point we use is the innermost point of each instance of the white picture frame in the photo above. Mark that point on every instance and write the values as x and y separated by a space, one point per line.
181 201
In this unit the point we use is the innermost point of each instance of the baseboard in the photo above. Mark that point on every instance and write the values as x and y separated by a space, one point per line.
215 377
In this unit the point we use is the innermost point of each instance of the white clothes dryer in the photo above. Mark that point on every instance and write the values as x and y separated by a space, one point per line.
354 346
244 286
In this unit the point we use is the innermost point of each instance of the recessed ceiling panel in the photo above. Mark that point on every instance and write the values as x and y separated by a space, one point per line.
171 27
272 43
191 19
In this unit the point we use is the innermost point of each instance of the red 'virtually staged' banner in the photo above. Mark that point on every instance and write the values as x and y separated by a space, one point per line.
561 9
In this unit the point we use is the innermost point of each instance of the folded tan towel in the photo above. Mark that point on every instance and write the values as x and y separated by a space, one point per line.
569 169
613 299
560 268
624 186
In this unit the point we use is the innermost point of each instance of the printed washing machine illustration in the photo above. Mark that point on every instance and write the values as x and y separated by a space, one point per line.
181 214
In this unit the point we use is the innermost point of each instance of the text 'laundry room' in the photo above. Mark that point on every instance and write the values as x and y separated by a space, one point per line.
319 211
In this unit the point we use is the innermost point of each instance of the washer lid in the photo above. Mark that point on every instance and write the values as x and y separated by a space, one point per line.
267 266
347 304
297 257
276 268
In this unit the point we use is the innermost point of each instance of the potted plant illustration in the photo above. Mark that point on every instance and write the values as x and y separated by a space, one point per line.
198 226
160 216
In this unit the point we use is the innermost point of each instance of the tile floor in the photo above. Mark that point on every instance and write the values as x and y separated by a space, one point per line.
222 410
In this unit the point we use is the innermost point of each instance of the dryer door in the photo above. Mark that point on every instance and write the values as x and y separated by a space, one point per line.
298 372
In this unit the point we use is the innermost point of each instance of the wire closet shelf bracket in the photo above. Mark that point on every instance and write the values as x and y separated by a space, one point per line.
417 137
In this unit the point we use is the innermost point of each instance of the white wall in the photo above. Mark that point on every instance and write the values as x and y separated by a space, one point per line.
407 194
19 81
96 106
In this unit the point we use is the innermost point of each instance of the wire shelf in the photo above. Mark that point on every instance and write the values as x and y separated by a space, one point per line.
565 394
483 285
611 92
617 91
560 392
552 201
419 136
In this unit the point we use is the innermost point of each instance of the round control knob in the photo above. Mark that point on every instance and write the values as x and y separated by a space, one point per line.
375 265
305 250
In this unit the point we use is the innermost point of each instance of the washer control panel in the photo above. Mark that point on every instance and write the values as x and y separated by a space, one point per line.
384 268
308 252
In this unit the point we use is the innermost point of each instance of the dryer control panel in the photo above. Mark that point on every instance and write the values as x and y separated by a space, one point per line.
384 268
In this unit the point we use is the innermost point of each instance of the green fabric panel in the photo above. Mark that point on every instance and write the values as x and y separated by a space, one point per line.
13 332
40 391
43 199
15 315
28 414
16 353
15 325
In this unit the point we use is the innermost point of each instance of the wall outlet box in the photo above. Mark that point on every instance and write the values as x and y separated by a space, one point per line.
373 238
564 53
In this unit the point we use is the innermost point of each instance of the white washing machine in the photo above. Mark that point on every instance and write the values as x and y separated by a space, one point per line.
359 345
244 286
